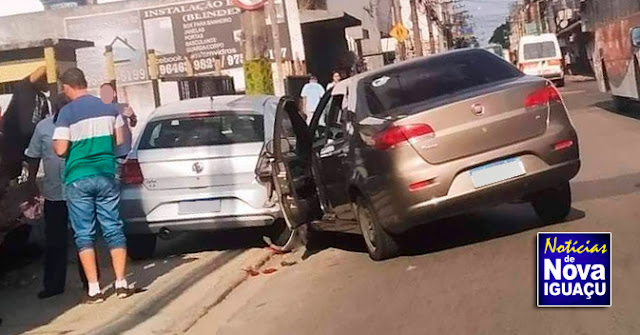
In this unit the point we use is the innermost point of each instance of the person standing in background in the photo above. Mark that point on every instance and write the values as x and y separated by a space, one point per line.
336 77
55 206
567 63
311 94
28 106
108 95
87 132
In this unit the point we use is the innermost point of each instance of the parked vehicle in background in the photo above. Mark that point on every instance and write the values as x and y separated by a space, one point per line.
425 139
193 168
495 49
540 55
616 50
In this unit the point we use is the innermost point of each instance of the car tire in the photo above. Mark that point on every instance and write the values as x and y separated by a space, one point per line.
560 83
380 244
553 205
141 246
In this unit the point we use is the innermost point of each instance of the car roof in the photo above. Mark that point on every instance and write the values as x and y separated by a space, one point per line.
350 84
253 104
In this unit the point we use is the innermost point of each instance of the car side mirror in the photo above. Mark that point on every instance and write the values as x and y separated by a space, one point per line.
635 37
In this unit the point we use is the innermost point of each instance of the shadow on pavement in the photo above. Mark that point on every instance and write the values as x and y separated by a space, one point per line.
607 187
22 311
448 233
609 105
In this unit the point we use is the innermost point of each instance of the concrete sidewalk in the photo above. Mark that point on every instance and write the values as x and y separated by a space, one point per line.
577 78
181 264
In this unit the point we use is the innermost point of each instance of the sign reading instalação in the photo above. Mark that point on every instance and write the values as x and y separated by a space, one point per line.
198 32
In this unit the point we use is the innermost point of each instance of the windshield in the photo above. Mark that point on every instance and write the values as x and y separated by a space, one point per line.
539 50
205 130
436 77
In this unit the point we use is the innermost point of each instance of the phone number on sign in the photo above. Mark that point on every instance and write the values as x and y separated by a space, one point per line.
132 75
172 68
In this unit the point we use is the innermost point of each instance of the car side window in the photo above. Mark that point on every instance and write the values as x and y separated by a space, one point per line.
322 122
335 120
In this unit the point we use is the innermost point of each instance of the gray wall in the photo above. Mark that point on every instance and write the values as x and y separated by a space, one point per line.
356 8
50 23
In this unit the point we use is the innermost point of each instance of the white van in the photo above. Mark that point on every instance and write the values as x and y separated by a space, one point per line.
540 55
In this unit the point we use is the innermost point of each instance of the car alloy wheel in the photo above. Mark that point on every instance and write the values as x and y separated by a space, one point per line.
380 244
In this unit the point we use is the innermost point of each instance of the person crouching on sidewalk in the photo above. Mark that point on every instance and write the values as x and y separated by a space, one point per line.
86 133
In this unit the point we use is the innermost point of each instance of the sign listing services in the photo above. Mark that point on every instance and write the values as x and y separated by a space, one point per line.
574 269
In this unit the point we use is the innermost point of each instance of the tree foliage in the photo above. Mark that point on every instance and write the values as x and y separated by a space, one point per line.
501 35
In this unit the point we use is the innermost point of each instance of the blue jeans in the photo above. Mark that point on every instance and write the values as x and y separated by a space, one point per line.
95 199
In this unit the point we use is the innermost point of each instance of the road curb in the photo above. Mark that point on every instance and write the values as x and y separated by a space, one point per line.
215 296
150 306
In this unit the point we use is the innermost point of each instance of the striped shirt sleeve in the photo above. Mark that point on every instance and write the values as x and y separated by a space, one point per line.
61 131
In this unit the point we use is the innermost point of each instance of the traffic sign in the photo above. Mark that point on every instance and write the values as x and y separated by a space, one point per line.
250 4
399 32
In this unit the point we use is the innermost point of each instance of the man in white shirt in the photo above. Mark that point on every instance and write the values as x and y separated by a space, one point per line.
311 94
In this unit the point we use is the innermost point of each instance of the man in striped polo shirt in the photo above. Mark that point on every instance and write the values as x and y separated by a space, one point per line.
87 131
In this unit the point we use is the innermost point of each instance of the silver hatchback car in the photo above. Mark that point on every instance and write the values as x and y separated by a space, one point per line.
193 168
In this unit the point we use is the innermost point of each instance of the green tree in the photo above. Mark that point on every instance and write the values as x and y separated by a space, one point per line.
501 35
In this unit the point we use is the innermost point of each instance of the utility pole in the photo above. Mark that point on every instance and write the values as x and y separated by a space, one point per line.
152 59
257 65
432 45
417 37
402 48
277 48
111 68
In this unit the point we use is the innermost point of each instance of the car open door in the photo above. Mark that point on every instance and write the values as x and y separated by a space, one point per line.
292 166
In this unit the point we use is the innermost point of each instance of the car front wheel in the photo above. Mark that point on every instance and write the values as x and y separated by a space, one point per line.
141 246
380 244
553 205
281 237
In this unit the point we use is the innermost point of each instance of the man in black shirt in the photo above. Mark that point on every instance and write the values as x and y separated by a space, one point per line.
28 106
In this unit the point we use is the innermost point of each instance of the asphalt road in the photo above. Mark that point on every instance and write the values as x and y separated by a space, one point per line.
473 274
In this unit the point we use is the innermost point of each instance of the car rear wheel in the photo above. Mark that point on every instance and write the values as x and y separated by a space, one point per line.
380 244
553 205
560 83
141 246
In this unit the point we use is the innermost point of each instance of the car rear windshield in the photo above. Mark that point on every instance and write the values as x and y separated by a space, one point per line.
202 129
539 50
436 77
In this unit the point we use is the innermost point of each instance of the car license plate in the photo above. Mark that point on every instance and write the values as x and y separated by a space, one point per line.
199 207
497 172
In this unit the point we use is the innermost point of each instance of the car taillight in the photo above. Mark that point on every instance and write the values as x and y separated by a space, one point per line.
131 173
395 135
563 145
421 185
555 62
542 97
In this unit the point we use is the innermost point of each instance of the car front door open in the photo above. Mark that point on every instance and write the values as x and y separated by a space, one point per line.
292 176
